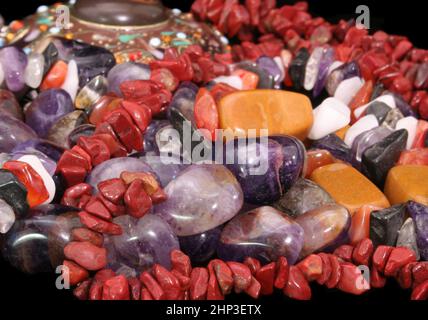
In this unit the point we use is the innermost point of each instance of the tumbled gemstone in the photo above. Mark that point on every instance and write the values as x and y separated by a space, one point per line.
102 107
91 93
112 169
360 225
324 65
333 144
403 106
13 132
13 61
201 247
317 158
364 124
48 108
408 182
166 168
7 217
125 72
419 214
71 81
379 110
34 71
201 198
303 196
407 237
410 125
61 129
312 68
55 77
265 80
343 72
385 224
280 112
378 159
348 187
9 105
264 233
387 99
297 68
324 228
50 55
91 61
270 66
151 137
265 168
144 242
347 89
13 192
393 116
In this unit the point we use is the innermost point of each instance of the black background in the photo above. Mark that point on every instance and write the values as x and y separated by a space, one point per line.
405 18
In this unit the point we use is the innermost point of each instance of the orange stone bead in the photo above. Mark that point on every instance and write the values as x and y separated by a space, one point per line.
406 183
55 77
279 112
360 225
348 187
36 190
316 159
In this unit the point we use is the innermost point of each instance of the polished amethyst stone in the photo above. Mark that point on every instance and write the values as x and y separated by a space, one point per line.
201 247
50 106
13 61
166 168
46 147
91 61
264 233
419 213
144 242
326 61
9 105
13 132
325 228
125 72
269 65
201 198
335 146
265 167
151 136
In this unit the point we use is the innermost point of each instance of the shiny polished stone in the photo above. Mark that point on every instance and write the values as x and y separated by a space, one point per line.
125 72
7 217
91 93
419 214
297 69
13 61
333 144
379 110
302 197
407 237
201 198
201 247
61 129
34 71
13 132
13 193
9 105
385 224
264 233
324 228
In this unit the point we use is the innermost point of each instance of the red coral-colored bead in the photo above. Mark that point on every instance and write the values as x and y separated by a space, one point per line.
81 292
206 113
181 262
97 149
326 269
104 274
254 289
363 252
344 252
253 264
135 286
87 255
97 208
86 235
71 158
213 292
223 274
352 280
336 272
55 77
116 288
73 194
151 284
182 279
36 190
398 258
74 273
115 210
420 292
150 182
116 149
73 175
241 276
137 201
381 256
404 277
282 273
266 276
145 295
141 114
199 283
297 286
96 224
168 282
420 272
165 77
311 267
127 132
113 190
377 280
96 290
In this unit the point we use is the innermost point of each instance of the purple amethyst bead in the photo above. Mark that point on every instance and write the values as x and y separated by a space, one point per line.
201 247
270 66
264 233
325 63
419 214
14 61
13 132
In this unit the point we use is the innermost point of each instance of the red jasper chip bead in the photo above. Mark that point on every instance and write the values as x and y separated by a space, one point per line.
213 292
344 252
199 283
266 276
377 280
141 114
73 175
113 190
145 295
224 275
282 273
104 274
182 279
115 210
116 149
74 273
404 277
181 262
71 158
73 195
311 267
297 286
241 276
398 258
381 256
96 148
352 280
99 225
123 126
420 272
336 272
135 288
152 286
253 264
168 282
86 255
96 291
326 269
83 234
137 201
420 292
254 289
363 252
97 208
116 288
81 292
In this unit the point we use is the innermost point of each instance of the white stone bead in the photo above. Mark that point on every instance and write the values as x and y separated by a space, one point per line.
411 125
34 71
312 67
233 81
329 116
71 82
334 66
387 99
280 65
7 217
364 124
37 165
347 89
